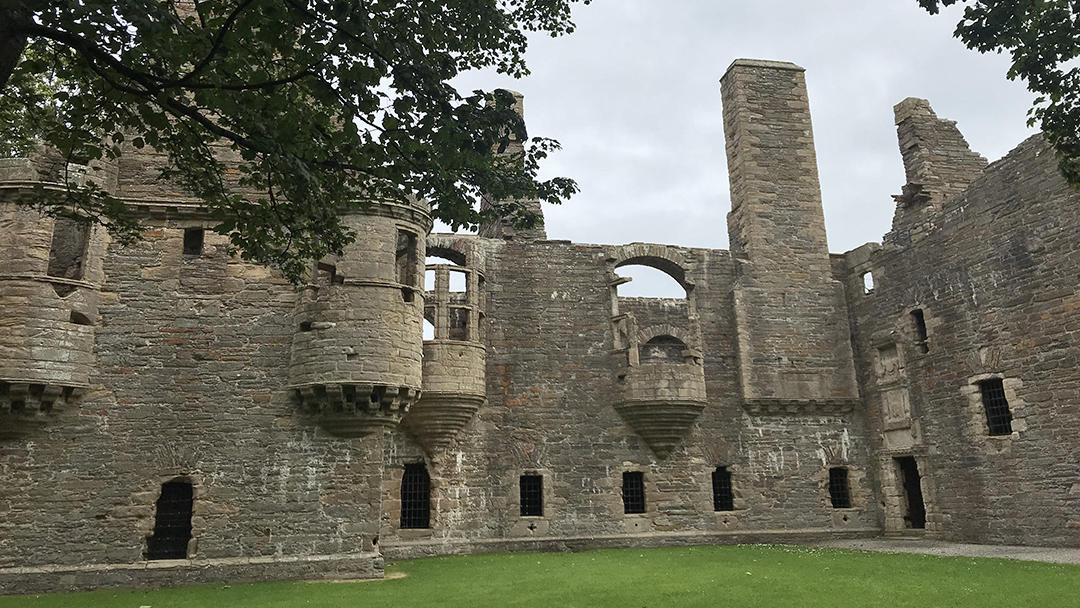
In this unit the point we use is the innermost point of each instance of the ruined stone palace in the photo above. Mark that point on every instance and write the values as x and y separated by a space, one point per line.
171 414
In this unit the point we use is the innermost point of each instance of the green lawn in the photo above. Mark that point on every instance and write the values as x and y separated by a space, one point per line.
744 576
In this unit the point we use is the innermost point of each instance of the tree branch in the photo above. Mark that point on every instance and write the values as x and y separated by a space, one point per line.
12 41
218 40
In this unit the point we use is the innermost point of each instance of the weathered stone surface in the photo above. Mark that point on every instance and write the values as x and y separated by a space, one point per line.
280 405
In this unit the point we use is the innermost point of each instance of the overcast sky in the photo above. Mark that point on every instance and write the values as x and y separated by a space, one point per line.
633 96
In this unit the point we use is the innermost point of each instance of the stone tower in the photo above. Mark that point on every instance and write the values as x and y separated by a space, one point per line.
50 280
792 330
358 338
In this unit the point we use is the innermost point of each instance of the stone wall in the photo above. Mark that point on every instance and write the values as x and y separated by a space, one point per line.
280 405
993 275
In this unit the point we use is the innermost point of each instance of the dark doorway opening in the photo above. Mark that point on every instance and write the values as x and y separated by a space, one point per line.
172 526
915 514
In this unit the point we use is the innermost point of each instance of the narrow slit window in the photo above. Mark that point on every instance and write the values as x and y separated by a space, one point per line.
193 241
633 492
918 322
722 496
416 497
172 523
868 282
532 495
408 260
998 415
839 490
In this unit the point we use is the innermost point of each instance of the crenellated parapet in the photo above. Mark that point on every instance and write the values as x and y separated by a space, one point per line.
357 343
50 277
455 357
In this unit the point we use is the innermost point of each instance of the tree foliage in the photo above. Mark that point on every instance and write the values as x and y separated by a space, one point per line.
1043 39
320 105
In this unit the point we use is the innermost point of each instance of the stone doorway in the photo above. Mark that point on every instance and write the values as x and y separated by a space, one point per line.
914 508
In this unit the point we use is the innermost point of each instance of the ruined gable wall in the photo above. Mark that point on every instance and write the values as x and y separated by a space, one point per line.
995 272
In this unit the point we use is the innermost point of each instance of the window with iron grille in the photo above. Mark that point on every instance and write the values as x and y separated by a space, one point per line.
416 497
998 416
722 498
172 523
839 492
532 495
633 492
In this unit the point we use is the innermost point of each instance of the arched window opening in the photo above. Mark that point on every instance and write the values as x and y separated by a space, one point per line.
648 282
172 524
662 349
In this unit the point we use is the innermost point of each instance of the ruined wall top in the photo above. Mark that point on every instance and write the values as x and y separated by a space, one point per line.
937 162
504 228
776 216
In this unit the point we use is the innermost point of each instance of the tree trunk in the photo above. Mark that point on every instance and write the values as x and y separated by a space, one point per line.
12 39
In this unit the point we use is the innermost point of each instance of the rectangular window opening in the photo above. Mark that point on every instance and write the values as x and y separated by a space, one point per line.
172 522
922 339
415 497
532 495
868 282
326 275
633 492
839 491
193 241
998 415
407 258
68 251
459 323
459 281
723 498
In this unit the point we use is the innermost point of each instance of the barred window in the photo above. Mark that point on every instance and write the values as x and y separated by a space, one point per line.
839 491
172 523
722 497
998 416
532 495
416 497
633 492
